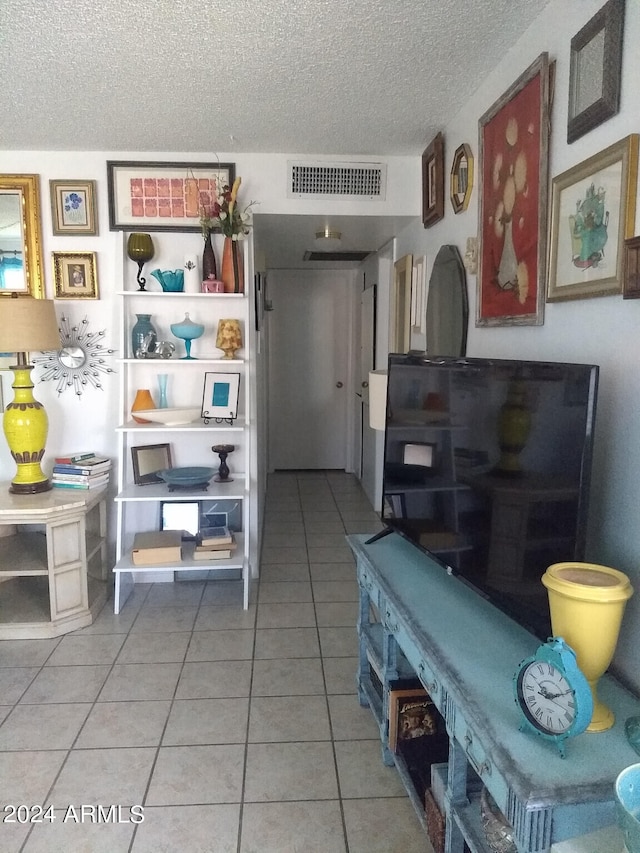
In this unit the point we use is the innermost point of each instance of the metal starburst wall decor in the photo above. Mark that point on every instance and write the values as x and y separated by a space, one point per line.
79 362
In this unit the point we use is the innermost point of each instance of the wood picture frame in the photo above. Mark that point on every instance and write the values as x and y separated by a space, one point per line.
631 269
220 397
75 275
593 209
513 153
400 316
73 207
147 459
596 70
461 178
433 181
163 196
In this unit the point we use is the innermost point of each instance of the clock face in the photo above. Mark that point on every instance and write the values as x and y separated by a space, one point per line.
546 698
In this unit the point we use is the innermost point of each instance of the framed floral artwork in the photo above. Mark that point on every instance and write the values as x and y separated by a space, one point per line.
593 212
73 207
433 182
514 165
163 196
75 275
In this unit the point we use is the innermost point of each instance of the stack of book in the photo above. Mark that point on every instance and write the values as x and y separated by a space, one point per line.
81 471
214 543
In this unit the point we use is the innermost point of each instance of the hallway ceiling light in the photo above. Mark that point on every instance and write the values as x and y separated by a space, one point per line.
328 239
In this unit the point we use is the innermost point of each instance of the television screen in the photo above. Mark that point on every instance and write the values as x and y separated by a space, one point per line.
487 467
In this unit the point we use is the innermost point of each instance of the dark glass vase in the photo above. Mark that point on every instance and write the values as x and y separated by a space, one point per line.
209 268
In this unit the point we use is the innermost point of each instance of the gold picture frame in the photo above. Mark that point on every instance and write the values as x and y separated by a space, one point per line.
75 275
593 207
73 207
24 190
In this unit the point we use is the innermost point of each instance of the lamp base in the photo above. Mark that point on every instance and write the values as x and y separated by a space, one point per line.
30 488
25 425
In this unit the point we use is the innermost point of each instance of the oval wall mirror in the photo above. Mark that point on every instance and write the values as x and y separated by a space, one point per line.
447 305
20 237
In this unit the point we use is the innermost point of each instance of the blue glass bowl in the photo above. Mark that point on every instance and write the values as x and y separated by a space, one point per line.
186 477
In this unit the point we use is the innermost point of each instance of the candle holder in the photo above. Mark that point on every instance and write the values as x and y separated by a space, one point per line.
223 450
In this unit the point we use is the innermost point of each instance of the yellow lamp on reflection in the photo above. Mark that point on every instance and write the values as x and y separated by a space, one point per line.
26 325
229 337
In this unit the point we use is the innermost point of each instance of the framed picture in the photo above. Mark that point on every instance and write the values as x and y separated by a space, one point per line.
394 505
461 178
6 360
419 295
595 70
412 713
631 269
593 209
180 515
147 459
400 319
514 165
75 275
73 207
220 397
433 182
163 196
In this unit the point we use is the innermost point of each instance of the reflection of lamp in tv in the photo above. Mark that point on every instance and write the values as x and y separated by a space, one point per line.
378 399
140 250
514 425
26 325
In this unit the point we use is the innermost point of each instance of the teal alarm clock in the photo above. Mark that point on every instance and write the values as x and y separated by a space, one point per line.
553 694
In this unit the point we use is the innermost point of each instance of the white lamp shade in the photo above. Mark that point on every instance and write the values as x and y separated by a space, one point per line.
378 399
28 324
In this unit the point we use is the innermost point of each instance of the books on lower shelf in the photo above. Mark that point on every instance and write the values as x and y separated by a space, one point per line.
156 546
215 550
86 467
74 458
215 536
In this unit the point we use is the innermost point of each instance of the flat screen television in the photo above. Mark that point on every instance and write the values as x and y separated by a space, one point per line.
487 467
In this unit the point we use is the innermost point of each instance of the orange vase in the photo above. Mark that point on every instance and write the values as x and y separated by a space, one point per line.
232 272
143 401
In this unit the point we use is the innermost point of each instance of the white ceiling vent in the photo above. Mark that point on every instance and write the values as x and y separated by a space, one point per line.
331 180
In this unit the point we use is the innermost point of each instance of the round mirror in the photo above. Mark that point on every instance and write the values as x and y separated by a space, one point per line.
72 356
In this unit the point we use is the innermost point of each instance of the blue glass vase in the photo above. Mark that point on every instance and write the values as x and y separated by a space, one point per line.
140 340
162 390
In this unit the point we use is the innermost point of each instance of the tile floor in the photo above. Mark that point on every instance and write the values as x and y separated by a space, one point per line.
235 731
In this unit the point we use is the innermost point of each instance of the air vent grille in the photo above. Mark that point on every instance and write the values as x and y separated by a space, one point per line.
317 180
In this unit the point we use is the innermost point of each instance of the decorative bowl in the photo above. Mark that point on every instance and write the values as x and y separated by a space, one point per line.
498 832
187 477
171 417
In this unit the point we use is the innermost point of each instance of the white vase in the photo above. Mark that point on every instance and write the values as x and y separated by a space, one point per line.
192 276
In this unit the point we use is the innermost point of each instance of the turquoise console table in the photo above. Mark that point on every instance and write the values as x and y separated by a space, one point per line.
465 652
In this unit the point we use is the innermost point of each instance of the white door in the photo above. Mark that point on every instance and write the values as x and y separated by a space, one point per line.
367 355
309 331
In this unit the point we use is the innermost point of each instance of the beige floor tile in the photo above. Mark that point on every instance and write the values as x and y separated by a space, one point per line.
287 677
325 540
349 721
121 724
277 573
220 618
66 684
14 681
42 726
338 642
288 718
175 594
275 615
74 831
285 592
85 649
221 645
283 555
195 829
312 827
207 721
384 826
27 778
223 593
104 777
164 619
197 775
131 681
334 554
155 648
214 680
287 643
341 674
337 614
274 773
326 590
362 773
12 836
25 653
284 539
342 572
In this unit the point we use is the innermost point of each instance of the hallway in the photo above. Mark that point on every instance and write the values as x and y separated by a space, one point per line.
235 731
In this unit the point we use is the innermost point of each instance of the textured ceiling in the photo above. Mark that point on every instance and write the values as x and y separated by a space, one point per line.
309 77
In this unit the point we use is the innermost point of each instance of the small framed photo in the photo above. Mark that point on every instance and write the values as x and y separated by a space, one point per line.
433 182
180 515
631 269
75 275
394 505
220 397
147 460
163 196
73 207
596 70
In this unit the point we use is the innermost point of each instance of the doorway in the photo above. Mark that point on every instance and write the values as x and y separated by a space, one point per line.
310 339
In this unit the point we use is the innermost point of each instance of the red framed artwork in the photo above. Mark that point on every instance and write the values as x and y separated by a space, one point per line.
514 174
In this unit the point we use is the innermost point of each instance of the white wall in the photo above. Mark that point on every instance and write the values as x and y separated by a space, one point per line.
603 330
